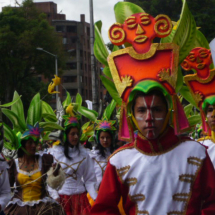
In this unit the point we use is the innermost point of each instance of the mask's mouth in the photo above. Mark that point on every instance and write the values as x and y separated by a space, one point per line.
140 38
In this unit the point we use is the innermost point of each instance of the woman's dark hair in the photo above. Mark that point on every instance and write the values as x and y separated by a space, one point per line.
153 92
101 148
67 143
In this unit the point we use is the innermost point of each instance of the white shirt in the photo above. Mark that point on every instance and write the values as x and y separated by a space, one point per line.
5 190
100 163
210 149
80 174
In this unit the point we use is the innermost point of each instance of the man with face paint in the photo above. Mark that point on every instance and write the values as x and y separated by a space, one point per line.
159 172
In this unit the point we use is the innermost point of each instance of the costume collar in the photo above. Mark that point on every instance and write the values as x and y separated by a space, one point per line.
166 142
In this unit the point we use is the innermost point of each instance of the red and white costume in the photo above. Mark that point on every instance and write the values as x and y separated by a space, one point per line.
169 175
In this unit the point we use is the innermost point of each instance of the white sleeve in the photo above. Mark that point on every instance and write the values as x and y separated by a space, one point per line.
53 193
5 191
90 177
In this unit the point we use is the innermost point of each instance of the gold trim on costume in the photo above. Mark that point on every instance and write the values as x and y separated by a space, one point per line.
122 171
137 198
130 181
189 178
99 163
181 197
194 161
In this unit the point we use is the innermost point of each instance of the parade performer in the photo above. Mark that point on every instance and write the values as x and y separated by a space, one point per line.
4 180
78 167
29 174
202 87
159 172
105 137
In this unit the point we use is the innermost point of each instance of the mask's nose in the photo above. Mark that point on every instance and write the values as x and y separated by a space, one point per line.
139 30
199 60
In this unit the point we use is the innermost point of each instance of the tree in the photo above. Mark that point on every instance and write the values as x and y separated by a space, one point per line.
22 30
203 12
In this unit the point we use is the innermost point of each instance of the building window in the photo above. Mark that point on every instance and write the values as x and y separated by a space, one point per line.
60 28
69 79
71 29
71 65
64 40
88 31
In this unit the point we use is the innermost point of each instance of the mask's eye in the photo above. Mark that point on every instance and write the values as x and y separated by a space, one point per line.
145 20
191 57
131 23
203 53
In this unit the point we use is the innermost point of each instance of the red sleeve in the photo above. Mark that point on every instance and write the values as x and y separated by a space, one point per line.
109 194
203 190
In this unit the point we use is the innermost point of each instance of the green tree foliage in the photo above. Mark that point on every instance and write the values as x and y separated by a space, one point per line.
203 12
22 30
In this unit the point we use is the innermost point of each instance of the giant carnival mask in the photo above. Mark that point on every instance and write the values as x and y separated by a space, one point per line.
145 66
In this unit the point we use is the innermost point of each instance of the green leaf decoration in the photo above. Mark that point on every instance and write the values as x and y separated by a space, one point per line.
110 86
11 141
49 117
91 139
195 119
185 33
10 103
67 101
109 109
47 109
169 38
107 72
125 9
78 100
188 109
34 110
18 125
179 82
115 48
201 41
17 107
100 49
50 126
46 135
99 25
85 125
184 91
88 113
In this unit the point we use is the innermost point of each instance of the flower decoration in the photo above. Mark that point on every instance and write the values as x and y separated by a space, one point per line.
33 131
105 124
52 85
71 121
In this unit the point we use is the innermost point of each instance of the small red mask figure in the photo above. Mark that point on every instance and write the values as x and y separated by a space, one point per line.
200 60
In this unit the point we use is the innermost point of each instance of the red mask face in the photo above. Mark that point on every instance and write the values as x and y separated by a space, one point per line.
139 30
199 59
150 113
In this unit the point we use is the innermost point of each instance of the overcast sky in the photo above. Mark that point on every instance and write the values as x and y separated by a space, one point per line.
103 10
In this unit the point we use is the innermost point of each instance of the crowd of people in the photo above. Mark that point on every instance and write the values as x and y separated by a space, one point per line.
142 162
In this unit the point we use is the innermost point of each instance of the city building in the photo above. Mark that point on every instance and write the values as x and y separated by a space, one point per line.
76 40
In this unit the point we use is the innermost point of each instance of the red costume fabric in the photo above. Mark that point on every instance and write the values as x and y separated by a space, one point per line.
76 204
